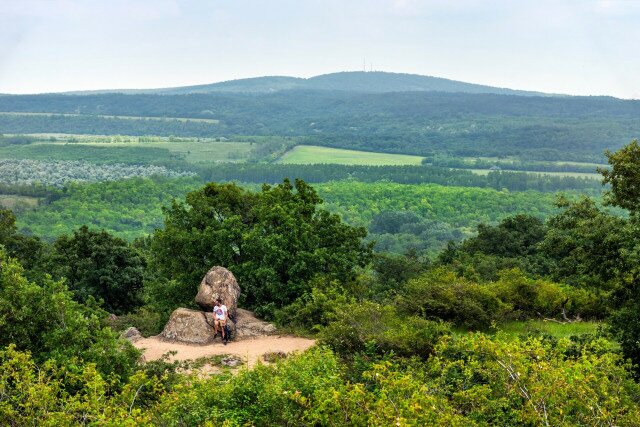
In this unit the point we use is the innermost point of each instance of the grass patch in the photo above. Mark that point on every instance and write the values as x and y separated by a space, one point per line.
558 330
309 154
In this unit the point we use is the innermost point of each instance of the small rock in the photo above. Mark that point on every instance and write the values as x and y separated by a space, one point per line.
230 362
132 334
274 356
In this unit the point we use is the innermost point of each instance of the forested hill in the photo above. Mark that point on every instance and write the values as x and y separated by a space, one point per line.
304 105
422 123
353 81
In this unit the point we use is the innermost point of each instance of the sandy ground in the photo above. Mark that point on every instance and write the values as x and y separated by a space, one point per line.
249 350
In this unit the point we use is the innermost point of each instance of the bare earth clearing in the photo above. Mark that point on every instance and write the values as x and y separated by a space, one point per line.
249 350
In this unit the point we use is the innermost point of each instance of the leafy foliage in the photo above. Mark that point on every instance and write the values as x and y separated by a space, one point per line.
439 294
274 241
516 236
27 249
585 245
96 264
316 309
624 177
380 329
45 320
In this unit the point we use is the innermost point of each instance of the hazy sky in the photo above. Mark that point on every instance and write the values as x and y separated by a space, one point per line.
576 47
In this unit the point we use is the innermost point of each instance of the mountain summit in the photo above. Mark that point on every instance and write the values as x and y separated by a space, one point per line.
349 81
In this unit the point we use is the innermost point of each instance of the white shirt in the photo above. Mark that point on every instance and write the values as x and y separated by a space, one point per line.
220 312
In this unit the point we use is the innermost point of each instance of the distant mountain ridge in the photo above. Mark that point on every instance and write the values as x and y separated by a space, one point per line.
350 81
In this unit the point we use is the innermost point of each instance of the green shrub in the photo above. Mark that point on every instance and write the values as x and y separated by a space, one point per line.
100 265
147 320
264 396
441 294
64 394
531 298
370 326
497 381
314 310
45 320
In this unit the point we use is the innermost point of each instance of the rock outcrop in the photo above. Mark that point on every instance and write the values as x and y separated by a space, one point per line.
189 326
218 283
196 327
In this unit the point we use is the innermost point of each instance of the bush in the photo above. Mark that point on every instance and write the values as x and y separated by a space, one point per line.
440 294
314 310
145 319
98 264
45 320
369 326
263 396
537 297
469 380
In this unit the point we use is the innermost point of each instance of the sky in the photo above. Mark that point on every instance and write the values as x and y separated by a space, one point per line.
578 47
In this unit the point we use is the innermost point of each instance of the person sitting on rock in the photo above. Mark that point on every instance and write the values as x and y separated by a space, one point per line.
220 319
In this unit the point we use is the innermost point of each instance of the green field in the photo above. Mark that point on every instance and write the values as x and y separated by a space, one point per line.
102 116
197 152
515 159
17 203
309 154
571 174
131 151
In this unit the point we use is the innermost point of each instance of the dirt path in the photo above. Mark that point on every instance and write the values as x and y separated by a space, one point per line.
249 350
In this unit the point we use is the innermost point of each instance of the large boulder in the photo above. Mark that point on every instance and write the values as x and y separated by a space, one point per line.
219 283
196 327
189 326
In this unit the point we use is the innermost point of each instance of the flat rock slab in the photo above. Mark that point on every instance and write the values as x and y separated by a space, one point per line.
247 325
